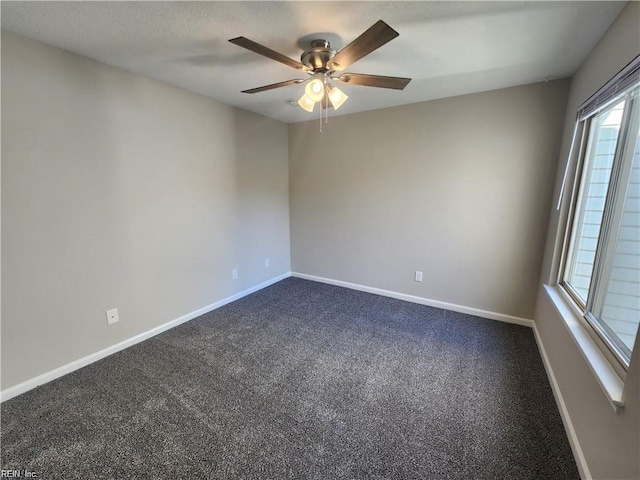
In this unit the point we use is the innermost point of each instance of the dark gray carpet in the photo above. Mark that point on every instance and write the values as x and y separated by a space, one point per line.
302 380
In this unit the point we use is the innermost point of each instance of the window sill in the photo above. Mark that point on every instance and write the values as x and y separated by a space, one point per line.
608 379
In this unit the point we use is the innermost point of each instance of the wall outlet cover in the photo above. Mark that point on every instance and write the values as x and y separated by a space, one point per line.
112 316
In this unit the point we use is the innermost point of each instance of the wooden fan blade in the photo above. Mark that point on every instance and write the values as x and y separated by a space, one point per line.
376 36
273 85
267 52
397 83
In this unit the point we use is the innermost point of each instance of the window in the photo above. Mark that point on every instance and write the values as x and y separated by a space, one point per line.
600 267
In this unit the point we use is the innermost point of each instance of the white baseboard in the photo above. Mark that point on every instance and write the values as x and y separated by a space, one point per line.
421 300
581 462
94 357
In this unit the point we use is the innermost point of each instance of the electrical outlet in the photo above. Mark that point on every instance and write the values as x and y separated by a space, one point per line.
418 276
234 273
112 316
267 263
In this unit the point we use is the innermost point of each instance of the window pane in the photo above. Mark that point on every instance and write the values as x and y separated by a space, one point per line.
620 309
601 148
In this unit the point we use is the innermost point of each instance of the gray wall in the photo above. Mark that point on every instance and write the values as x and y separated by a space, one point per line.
610 442
458 188
119 191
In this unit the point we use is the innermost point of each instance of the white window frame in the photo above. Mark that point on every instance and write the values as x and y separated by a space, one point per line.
625 81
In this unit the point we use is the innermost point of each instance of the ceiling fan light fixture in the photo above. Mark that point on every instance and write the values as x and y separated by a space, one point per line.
306 103
321 62
337 97
314 89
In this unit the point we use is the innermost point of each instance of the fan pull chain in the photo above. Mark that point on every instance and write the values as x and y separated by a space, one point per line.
326 113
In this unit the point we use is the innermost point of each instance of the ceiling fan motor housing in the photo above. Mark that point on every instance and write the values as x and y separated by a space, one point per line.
317 57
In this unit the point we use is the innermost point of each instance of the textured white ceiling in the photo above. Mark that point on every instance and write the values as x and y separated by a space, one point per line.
447 48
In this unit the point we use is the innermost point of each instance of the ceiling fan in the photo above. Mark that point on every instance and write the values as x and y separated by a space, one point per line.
324 64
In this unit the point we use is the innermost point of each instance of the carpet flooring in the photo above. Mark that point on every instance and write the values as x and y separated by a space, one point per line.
307 381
